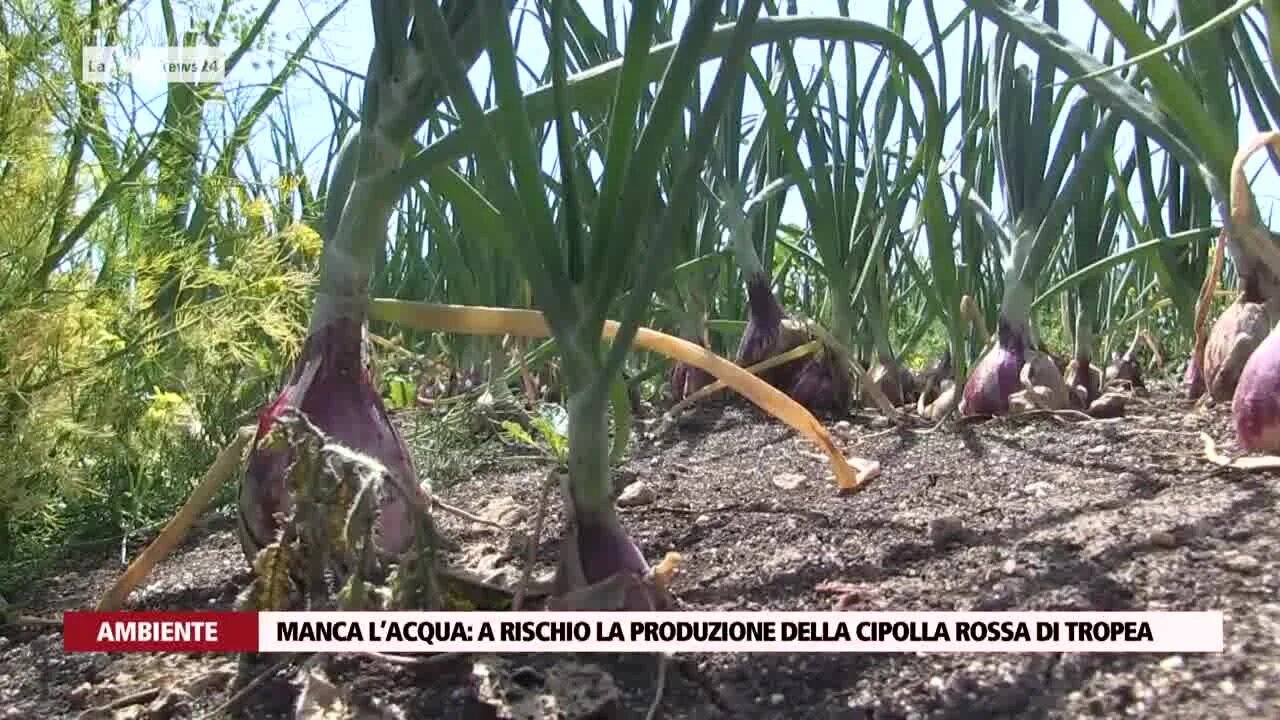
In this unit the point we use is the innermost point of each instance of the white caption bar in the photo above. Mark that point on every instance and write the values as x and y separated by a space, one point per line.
754 632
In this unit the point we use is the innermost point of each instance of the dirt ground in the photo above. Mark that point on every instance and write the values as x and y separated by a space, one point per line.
1034 514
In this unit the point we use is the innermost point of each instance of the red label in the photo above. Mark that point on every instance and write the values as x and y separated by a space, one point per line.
160 632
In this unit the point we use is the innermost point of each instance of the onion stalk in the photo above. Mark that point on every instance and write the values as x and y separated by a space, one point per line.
893 380
818 381
854 208
1093 227
683 379
1194 378
331 382
1038 200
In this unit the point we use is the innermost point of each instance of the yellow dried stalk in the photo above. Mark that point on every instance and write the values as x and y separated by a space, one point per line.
223 466
475 320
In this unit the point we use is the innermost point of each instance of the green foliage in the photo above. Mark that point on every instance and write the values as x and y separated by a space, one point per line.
129 352
551 424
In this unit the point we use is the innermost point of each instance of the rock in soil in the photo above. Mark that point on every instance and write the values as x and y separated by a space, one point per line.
636 494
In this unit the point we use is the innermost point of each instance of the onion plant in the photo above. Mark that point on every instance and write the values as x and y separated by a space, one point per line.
1038 195
1197 135
1093 230
331 383
689 294
574 263
850 222
1190 127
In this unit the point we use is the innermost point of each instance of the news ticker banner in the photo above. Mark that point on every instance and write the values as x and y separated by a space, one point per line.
644 632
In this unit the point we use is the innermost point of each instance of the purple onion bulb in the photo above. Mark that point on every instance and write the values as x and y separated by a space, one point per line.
1255 406
997 375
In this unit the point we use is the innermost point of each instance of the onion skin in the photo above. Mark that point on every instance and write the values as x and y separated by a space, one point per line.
1080 373
341 400
764 323
997 375
605 549
685 380
1235 336
1060 361
597 549
1255 406
930 381
1125 368
816 383
896 382
1193 379
821 386
769 333
1042 379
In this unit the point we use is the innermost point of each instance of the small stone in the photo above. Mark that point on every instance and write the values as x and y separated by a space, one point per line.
79 697
1171 663
1239 534
947 530
1010 566
937 683
788 481
1227 687
214 681
880 422
504 511
636 494
1096 450
844 427
777 699
702 520
503 576
1110 405
527 677
1193 531
1242 563
1039 488
1162 539
171 704
44 645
